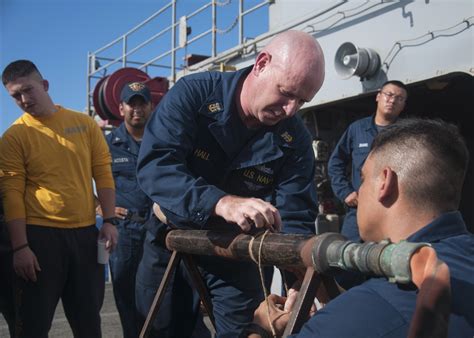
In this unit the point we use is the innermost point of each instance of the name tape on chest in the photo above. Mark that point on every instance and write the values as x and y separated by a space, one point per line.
121 160
75 130
202 154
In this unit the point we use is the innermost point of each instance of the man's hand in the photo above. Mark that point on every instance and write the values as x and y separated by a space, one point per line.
278 316
119 212
291 299
25 264
292 295
351 199
110 234
248 211
98 211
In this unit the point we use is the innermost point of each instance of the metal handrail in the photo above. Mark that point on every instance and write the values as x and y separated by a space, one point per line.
134 29
93 57
235 51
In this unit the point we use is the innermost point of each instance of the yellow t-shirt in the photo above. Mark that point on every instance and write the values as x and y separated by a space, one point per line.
48 165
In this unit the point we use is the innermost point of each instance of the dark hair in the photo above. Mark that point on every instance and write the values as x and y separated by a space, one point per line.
432 159
397 83
19 68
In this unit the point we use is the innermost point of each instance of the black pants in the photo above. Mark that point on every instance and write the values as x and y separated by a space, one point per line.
6 289
69 270
6 277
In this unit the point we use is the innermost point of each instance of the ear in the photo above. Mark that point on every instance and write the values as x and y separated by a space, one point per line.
45 85
121 108
387 186
262 61
377 98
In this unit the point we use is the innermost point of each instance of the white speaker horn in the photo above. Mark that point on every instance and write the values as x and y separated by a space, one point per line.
351 60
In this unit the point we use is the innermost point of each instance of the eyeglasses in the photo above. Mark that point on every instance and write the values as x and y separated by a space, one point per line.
396 98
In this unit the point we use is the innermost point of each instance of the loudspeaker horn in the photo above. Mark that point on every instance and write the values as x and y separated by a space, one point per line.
351 60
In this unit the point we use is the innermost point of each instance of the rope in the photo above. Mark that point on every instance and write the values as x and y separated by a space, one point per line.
251 252
285 284
262 278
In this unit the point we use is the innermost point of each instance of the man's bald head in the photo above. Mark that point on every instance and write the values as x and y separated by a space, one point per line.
287 73
298 53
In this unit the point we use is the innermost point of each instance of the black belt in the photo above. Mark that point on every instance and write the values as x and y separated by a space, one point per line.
135 217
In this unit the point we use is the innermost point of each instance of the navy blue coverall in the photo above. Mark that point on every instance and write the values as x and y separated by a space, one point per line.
125 258
353 146
378 308
195 151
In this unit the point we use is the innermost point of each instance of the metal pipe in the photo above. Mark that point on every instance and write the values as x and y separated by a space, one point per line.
173 44
390 260
150 39
323 252
197 37
150 62
199 10
214 29
124 52
88 84
241 27
154 15
146 64
130 62
254 8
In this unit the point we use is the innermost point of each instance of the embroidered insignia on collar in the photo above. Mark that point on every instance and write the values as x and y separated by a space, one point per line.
287 137
214 107
136 86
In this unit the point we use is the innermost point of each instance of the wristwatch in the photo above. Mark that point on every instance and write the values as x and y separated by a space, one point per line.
255 328
111 220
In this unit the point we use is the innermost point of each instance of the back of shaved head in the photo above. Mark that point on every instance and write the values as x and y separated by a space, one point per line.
429 157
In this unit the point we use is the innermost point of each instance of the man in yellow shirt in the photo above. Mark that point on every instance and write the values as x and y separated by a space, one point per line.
49 157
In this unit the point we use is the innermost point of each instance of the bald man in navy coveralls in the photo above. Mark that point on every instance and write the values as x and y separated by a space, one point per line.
227 150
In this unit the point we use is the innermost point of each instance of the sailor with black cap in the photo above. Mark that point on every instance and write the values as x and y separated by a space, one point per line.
132 204
134 89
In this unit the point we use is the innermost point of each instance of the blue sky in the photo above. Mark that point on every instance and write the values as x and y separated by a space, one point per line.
57 35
